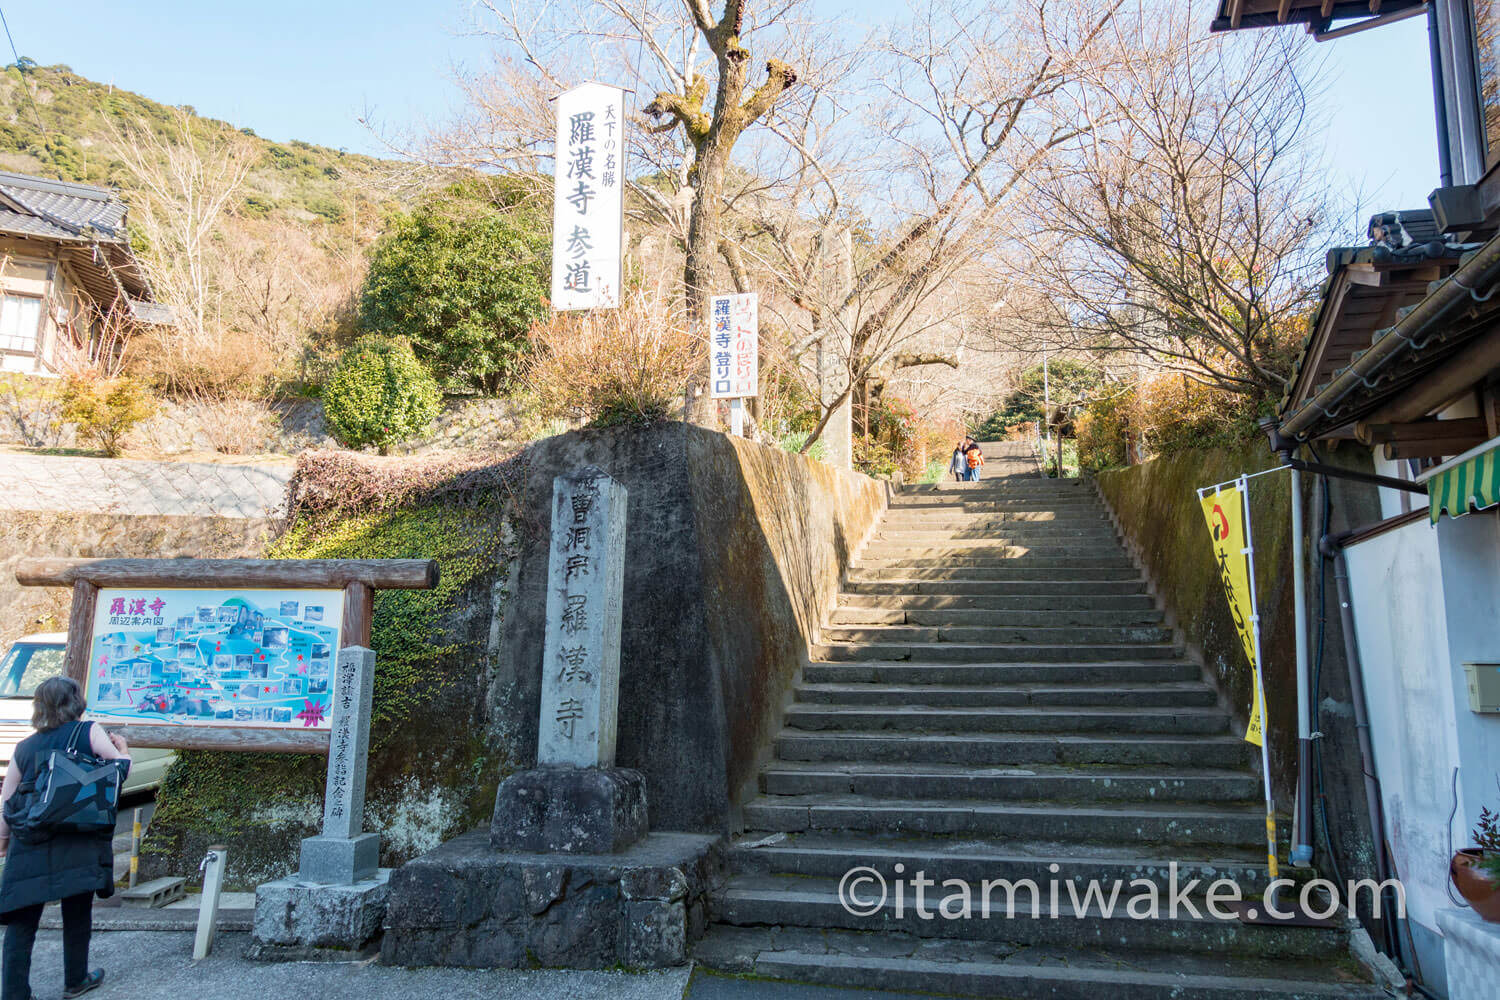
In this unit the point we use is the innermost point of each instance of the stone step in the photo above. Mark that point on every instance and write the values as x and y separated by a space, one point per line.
1014 749
1059 783
995 535
995 523
769 900
1081 578
986 553
922 673
1010 558
978 634
943 617
1170 694
1217 824
874 718
975 859
956 652
1082 506
1066 601
1042 587
863 960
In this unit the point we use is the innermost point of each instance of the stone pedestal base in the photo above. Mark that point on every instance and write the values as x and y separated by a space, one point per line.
297 920
570 810
339 860
466 905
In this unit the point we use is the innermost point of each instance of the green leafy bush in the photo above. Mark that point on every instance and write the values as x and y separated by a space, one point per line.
1064 381
380 395
106 410
464 282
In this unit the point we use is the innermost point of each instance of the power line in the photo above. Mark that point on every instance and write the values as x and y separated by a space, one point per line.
35 111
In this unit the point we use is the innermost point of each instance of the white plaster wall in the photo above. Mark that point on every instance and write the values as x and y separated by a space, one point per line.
1400 620
1469 548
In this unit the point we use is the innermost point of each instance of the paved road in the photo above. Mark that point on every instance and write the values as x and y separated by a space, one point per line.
156 965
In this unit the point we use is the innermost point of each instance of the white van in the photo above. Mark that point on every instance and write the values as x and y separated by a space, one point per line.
31 660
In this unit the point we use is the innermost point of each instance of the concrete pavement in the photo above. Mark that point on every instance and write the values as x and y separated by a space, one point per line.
156 965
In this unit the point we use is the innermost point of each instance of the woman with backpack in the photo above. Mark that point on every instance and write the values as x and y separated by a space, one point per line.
67 866
974 459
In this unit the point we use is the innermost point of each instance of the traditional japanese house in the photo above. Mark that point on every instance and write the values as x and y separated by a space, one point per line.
1403 362
68 279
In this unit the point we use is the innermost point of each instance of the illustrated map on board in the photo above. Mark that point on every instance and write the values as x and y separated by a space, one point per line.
257 658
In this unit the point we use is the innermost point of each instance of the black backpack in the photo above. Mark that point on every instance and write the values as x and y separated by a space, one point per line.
72 792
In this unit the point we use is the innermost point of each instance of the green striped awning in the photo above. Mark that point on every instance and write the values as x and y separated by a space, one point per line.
1471 484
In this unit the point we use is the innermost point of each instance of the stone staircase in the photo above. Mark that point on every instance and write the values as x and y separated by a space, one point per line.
996 697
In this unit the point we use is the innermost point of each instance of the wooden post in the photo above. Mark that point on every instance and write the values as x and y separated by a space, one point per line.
359 612
80 632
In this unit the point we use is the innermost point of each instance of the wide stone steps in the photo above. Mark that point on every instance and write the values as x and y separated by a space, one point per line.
1036 588
974 859
1187 694
769 900
961 536
1127 822
1065 602
996 697
928 672
1081 577
1024 652
994 618
874 718
886 553
977 634
899 961
1014 749
1040 782
978 527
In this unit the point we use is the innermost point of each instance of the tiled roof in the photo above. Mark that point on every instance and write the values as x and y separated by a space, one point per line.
35 206
1352 315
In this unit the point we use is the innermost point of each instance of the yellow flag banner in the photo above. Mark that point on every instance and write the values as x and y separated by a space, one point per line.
1225 512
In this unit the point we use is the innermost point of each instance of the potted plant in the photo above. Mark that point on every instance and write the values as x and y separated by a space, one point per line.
1476 870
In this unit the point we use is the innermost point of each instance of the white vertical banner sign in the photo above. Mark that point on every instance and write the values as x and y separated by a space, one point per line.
587 198
734 355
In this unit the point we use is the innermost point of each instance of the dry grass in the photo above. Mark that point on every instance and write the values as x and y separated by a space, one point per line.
627 365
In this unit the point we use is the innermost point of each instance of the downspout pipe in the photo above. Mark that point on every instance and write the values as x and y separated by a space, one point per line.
1302 852
1302 827
1332 548
1414 330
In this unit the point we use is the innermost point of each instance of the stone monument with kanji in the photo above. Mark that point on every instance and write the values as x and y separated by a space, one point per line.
575 800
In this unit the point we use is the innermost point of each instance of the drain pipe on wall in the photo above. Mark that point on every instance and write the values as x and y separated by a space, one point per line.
1302 852
1332 548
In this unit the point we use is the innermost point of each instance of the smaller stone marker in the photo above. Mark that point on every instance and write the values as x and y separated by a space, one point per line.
575 800
343 854
335 904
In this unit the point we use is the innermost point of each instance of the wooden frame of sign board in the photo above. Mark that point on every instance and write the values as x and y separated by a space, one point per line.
357 578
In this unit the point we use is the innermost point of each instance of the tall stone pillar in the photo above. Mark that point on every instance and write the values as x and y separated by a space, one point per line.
838 433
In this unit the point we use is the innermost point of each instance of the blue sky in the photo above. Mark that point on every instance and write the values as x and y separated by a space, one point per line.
308 70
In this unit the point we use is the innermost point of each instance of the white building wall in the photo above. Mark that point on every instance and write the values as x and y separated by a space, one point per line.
1395 581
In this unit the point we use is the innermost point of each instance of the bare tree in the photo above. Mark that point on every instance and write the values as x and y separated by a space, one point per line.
183 181
1181 225
881 259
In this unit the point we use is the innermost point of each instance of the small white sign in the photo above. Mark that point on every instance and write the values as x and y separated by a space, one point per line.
734 346
588 203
